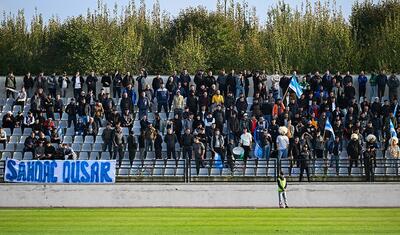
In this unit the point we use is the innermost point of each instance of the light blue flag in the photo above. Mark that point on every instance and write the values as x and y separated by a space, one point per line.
328 127
392 130
218 161
258 152
294 85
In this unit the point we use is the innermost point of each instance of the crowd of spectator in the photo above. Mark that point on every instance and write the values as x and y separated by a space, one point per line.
205 115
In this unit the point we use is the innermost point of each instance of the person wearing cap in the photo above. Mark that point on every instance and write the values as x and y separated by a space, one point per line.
282 185
354 150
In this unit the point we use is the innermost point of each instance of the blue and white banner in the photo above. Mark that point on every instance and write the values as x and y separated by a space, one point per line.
59 171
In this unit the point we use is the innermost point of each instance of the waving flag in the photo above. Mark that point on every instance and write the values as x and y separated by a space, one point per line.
258 152
328 127
392 130
294 85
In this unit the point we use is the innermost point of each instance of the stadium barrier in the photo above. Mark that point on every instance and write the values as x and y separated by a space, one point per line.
253 170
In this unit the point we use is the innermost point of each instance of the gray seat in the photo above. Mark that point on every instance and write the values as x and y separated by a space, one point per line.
27 131
6 155
17 156
22 139
76 147
14 139
226 172
97 147
94 156
169 172
238 171
331 171
180 172
105 156
356 171
78 139
83 156
10 147
249 171
123 172
203 172
70 132
261 171
17 132
89 139
67 139
215 172
380 171
158 171
28 156
86 147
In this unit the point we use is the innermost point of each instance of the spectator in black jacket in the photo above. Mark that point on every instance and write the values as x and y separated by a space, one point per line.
106 81
117 84
71 110
171 139
91 81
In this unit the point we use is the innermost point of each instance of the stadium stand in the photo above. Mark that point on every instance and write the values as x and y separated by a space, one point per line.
149 157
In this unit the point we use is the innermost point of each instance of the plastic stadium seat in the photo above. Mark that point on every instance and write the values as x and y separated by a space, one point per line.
10 147
76 147
123 172
343 171
285 170
7 131
295 171
251 163
331 171
89 139
78 139
391 171
17 156
83 156
169 172
147 171
380 171
215 172
160 163
16 108
356 171
271 172
226 172
262 163
105 156
97 147
249 171
203 172
94 156
22 139
99 140
150 155
6 155
14 139
157 171
67 139
28 156
193 171
17 132
86 147
101 129
70 132
180 172
27 131
238 172
261 171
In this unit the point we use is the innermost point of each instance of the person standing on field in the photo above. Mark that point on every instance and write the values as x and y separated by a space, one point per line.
282 185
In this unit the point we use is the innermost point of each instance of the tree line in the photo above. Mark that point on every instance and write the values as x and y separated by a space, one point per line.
314 36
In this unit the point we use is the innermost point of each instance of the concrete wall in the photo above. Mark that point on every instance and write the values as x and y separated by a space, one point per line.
199 195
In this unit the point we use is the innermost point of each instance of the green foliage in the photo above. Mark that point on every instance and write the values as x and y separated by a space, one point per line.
313 37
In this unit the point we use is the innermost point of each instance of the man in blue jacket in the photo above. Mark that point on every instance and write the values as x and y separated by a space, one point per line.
362 85
162 99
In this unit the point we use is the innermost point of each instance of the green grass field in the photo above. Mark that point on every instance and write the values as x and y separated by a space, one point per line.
199 221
